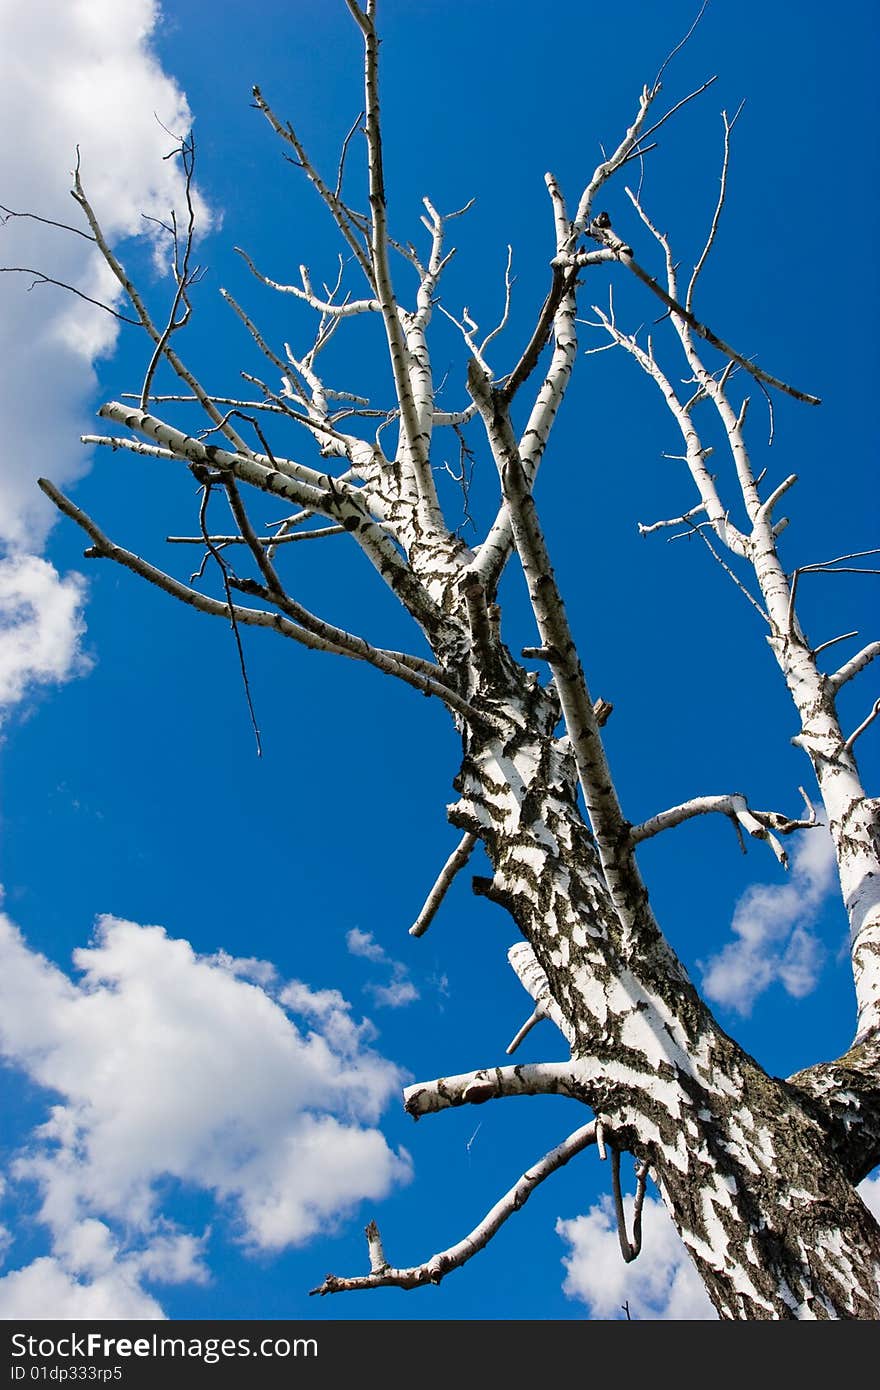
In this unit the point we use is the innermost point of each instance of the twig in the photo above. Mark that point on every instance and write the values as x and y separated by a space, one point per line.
602 232
728 571
832 641
271 541
41 279
224 572
187 152
856 733
680 45
719 206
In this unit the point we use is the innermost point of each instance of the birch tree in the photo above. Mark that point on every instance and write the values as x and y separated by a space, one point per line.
758 1173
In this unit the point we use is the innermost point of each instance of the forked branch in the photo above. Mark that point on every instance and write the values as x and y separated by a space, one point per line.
760 824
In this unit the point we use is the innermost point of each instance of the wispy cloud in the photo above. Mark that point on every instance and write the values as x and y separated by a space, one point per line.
400 989
773 923
661 1284
395 995
166 1065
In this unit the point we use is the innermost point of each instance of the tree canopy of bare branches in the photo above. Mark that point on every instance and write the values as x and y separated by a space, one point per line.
758 1172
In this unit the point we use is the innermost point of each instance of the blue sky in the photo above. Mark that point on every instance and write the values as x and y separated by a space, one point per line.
197 1126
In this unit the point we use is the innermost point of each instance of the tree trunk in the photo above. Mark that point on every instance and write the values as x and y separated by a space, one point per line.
757 1172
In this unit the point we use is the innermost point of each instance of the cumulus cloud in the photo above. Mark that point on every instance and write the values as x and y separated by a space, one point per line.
773 932
40 625
661 1284
70 75
167 1065
45 1289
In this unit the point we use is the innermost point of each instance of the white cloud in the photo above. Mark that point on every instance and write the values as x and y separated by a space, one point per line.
772 926
363 943
171 1066
40 625
661 1284
44 1289
73 74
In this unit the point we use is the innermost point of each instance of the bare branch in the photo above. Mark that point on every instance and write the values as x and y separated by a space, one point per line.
502 322
146 321
600 229
856 733
493 1083
621 872
630 1250
7 213
733 804
297 483
346 309
832 641
416 461
340 172
691 96
608 167
765 511
410 670
185 278
340 214
441 1264
852 667
456 861
537 1016
225 578
255 334
534 981
560 286
713 230
133 446
673 521
317 534
728 571
270 407
41 279
680 45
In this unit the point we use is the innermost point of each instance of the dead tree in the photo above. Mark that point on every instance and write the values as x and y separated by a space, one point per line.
758 1173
